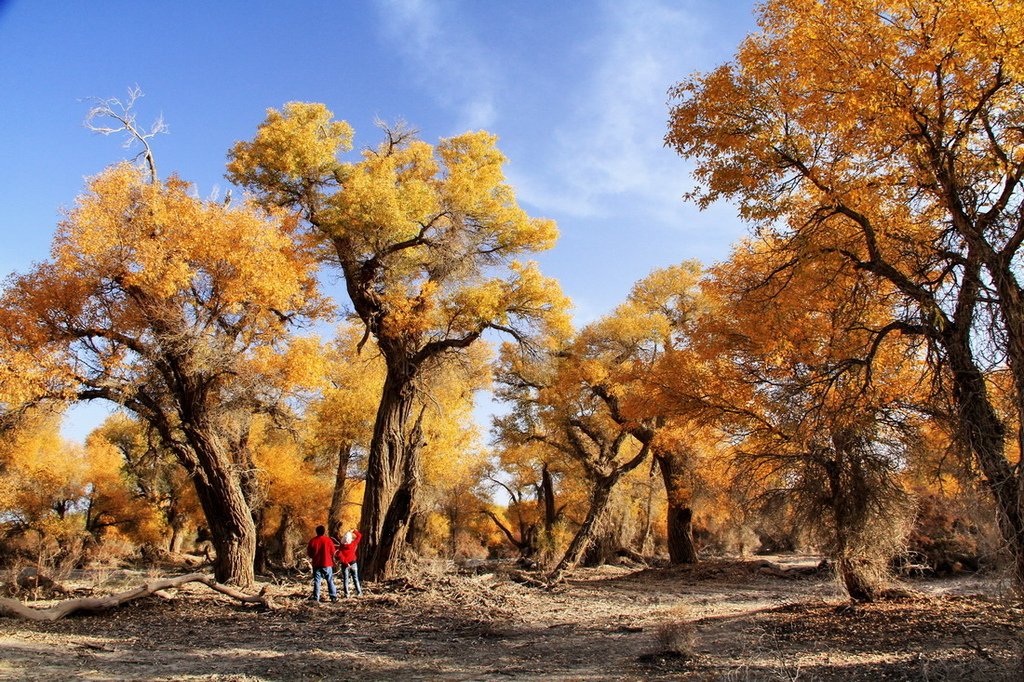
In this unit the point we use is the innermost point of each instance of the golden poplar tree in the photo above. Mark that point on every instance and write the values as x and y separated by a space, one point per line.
154 477
887 133
627 351
167 305
339 423
426 237
813 424
561 402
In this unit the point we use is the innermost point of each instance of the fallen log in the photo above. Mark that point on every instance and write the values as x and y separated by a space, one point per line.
13 607
524 578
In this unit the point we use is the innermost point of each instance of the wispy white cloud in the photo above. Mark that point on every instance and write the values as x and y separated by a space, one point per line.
453 66
609 149
595 145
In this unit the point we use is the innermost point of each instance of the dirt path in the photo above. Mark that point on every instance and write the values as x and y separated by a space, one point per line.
737 621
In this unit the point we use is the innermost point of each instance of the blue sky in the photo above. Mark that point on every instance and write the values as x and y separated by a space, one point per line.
576 92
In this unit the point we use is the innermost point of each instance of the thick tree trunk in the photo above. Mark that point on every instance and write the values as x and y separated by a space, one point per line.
603 547
681 549
529 546
229 517
232 531
858 583
334 514
548 488
285 539
392 480
1011 481
401 527
416 533
176 540
233 534
176 521
985 433
581 542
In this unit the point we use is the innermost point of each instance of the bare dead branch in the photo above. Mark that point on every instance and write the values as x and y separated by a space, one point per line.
121 114
15 608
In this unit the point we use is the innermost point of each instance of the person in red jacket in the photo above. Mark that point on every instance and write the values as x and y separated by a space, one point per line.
347 558
321 552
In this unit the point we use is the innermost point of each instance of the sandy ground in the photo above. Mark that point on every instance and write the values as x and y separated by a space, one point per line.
728 620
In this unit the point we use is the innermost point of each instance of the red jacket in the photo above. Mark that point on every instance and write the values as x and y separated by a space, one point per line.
321 551
347 552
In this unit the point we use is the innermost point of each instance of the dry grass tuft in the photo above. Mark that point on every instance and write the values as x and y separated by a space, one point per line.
677 637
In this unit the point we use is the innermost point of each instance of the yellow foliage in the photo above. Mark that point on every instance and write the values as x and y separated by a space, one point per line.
290 480
343 416
141 270
49 484
42 472
300 143
238 256
421 232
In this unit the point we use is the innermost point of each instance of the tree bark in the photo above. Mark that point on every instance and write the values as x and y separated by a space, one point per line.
550 513
392 478
985 433
233 534
1008 484
334 514
229 517
585 535
416 536
176 540
284 538
859 585
261 559
176 520
681 549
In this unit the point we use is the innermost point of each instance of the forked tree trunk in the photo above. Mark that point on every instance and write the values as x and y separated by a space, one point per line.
681 549
392 477
401 523
334 514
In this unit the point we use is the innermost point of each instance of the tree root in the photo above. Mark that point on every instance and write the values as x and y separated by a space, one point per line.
13 607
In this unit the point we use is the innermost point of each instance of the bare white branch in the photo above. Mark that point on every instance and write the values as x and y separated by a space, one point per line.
123 114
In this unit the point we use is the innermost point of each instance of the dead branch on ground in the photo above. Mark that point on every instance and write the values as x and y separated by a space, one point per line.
13 607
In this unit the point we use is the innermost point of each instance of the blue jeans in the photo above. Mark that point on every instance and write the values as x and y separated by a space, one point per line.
351 570
327 573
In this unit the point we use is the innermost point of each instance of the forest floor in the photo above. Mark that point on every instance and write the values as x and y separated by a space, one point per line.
720 620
